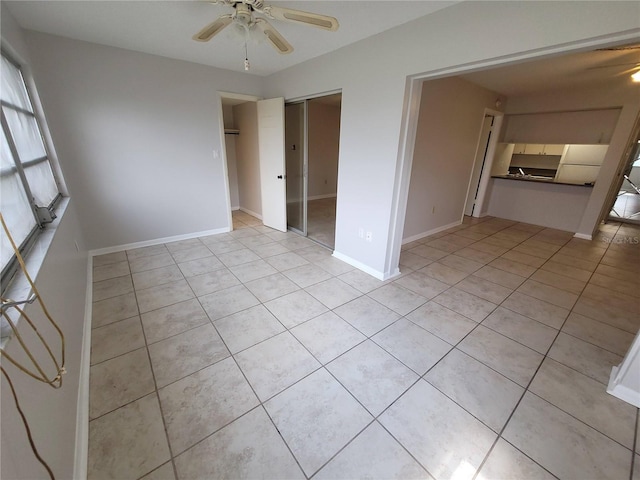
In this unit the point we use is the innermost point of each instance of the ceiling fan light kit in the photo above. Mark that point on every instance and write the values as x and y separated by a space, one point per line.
243 16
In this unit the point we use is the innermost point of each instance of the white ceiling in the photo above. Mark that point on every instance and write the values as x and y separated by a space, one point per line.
599 67
165 28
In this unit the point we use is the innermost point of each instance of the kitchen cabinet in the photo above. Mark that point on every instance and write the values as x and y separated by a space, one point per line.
542 149
571 164
554 149
581 163
533 149
502 159
584 155
593 127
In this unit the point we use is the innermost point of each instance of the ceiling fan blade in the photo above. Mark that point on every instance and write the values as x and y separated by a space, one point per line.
275 38
613 65
628 71
298 16
211 30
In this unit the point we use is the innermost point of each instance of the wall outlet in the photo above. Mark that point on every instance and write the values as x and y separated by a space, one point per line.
369 236
361 233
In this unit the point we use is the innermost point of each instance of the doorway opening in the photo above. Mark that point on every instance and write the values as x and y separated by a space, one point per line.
626 204
312 138
240 121
253 152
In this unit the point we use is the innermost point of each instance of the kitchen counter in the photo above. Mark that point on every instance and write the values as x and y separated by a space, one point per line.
539 202
530 178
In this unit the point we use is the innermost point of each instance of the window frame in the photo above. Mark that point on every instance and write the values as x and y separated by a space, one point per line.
12 266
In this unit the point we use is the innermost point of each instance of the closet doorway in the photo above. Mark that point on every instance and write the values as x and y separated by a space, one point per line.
312 140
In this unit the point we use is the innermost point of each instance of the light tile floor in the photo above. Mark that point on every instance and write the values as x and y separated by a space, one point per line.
627 206
255 354
321 221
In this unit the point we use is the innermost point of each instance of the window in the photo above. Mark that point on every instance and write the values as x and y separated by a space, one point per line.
28 188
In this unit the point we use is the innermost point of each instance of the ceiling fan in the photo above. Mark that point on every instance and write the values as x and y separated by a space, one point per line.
633 67
244 16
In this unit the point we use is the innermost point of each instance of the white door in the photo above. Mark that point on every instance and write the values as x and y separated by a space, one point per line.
474 183
272 163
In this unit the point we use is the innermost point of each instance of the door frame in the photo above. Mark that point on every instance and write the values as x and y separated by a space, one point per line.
612 196
481 149
225 167
305 162
409 124
489 157
306 99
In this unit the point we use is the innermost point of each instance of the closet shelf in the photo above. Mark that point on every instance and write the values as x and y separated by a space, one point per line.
231 131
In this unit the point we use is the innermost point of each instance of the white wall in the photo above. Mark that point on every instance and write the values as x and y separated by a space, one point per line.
138 136
449 126
324 143
247 157
62 281
372 75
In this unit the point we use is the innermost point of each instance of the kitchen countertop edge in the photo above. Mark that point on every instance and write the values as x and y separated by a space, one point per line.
538 180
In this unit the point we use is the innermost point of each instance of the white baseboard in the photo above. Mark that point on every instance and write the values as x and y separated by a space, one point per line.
254 214
621 391
320 197
623 381
157 241
390 275
413 238
359 265
233 209
82 408
583 236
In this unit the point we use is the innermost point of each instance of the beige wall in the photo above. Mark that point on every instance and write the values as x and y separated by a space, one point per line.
451 114
324 143
245 118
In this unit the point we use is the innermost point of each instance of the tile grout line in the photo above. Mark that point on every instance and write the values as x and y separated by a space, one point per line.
362 294
527 389
157 394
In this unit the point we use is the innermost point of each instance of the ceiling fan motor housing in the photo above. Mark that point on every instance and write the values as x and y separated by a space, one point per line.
243 14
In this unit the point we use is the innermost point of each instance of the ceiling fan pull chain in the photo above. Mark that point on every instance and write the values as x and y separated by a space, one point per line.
246 54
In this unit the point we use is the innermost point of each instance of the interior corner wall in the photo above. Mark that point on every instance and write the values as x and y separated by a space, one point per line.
138 138
324 144
449 126
62 283
245 116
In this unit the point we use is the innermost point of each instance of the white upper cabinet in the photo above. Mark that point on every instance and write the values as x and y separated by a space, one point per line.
580 127
553 149
581 163
537 149
534 149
